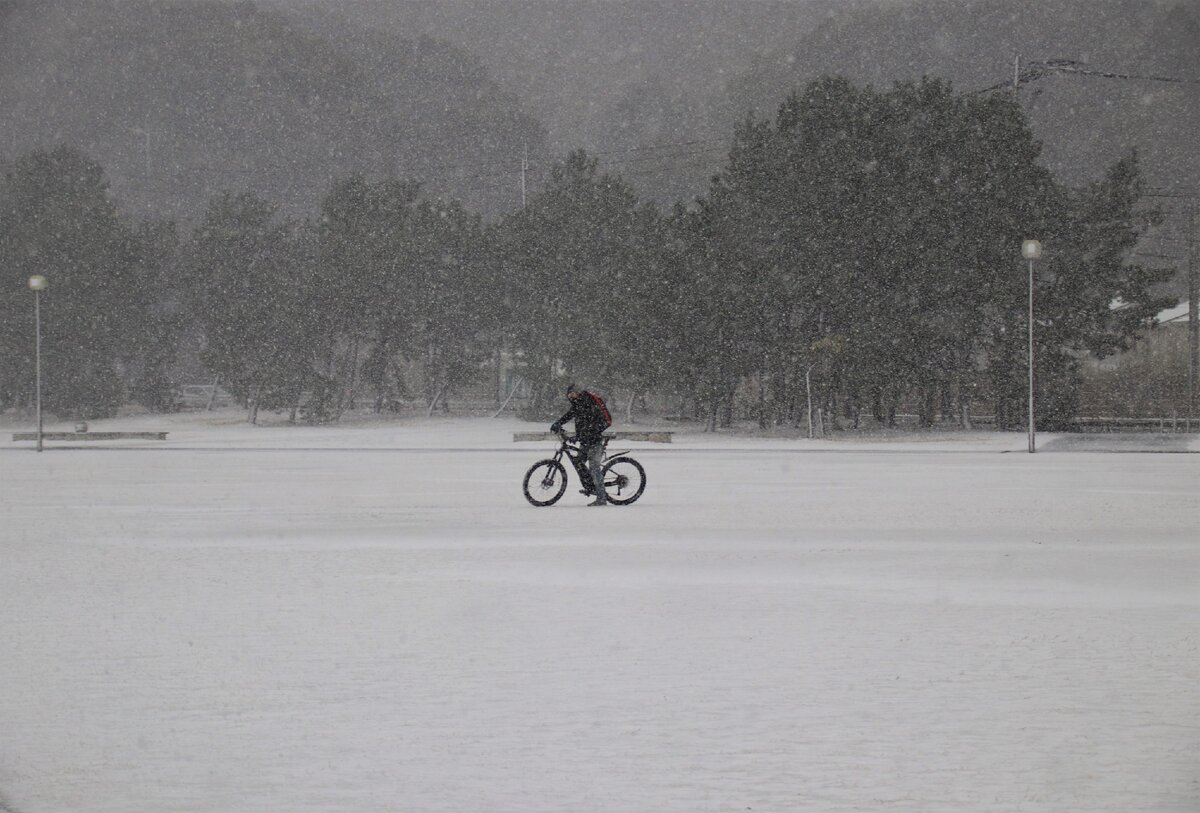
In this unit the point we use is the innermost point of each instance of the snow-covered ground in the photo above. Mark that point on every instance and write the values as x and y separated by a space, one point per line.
371 618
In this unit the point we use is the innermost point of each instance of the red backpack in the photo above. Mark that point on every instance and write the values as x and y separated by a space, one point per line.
603 409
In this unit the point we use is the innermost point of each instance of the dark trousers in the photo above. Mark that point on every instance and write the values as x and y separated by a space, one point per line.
594 453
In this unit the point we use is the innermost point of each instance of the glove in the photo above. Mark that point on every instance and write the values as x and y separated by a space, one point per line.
556 427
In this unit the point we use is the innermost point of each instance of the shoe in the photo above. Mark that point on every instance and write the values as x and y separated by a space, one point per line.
598 501
587 492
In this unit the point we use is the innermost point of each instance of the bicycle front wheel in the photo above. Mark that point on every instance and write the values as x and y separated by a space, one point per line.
624 480
545 483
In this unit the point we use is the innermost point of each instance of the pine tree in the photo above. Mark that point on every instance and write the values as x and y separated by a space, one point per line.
57 220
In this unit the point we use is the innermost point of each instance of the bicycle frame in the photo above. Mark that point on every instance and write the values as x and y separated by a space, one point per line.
624 479
574 452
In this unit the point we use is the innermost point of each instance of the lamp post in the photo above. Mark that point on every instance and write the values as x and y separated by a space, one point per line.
37 284
1031 250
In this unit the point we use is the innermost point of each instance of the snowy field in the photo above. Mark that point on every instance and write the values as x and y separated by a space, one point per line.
371 618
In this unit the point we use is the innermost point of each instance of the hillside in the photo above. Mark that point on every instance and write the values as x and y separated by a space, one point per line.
656 88
181 100
614 75
1084 121
618 78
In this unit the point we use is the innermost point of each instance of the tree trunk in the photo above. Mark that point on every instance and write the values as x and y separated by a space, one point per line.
853 409
253 416
808 398
629 408
962 400
499 377
437 396
347 393
763 421
727 404
212 396
926 409
511 393
779 391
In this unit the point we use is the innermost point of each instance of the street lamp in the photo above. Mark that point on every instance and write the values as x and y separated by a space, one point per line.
1031 250
37 284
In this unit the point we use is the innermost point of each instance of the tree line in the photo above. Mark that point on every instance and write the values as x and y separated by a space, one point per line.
857 254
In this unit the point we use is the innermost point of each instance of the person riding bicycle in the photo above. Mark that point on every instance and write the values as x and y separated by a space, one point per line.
591 419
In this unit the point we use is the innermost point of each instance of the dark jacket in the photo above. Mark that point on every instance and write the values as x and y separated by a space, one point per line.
589 419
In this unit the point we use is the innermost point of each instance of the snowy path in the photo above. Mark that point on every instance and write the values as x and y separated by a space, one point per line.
300 630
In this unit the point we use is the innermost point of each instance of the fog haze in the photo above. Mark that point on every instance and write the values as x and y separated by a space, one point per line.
181 99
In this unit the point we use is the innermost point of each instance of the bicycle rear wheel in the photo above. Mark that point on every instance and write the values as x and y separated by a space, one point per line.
624 480
545 483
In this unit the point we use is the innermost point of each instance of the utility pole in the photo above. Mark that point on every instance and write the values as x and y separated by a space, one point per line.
1040 68
1193 306
524 169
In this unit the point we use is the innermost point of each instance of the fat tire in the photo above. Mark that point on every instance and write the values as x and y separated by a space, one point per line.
559 472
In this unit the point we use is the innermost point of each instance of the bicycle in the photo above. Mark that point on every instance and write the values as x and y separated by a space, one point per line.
546 480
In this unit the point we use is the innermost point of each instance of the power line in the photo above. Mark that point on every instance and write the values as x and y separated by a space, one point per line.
1039 69
1169 195
1072 66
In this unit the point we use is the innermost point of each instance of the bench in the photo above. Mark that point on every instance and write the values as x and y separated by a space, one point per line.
653 437
91 436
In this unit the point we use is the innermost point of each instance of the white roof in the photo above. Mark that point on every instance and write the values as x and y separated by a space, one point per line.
1175 314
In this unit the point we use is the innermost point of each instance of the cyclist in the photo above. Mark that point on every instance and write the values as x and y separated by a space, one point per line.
591 419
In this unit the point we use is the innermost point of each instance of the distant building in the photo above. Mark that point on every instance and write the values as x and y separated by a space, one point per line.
1148 380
